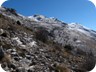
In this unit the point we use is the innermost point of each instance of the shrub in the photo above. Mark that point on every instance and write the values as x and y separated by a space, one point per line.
18 22
4 34
1 15
42 35
68 47
62 68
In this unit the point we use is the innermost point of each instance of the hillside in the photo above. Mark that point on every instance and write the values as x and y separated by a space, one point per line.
40 44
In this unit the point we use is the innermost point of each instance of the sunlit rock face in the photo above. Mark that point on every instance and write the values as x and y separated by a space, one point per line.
41 44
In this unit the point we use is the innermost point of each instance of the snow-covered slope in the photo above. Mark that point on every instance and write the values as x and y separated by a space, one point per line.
41 18
82 29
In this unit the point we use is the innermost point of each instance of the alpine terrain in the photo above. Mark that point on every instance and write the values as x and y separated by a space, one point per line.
41 44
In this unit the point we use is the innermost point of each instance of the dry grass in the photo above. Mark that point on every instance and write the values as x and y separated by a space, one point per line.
9 24
6 58
62 68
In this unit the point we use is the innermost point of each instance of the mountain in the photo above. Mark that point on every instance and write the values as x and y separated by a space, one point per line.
41 44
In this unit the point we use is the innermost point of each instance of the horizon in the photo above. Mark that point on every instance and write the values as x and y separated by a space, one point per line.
82 11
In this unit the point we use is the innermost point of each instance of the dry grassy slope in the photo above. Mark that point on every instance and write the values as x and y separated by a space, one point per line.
47 56
9 26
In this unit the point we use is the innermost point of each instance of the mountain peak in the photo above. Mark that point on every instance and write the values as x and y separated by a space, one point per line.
42 18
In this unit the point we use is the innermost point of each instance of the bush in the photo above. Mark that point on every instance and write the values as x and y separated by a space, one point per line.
18 22
62 68
68 47
0 15
42 35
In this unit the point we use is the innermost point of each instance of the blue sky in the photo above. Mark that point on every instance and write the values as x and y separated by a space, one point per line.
69 11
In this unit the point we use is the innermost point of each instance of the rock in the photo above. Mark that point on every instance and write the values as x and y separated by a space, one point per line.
1 54
1 31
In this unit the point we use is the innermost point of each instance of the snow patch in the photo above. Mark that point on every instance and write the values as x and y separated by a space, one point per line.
17 40
78 41
31 44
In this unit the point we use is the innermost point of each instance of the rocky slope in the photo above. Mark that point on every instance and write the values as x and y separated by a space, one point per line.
40 44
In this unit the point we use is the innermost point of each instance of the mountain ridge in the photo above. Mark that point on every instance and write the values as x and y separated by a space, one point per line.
41 44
